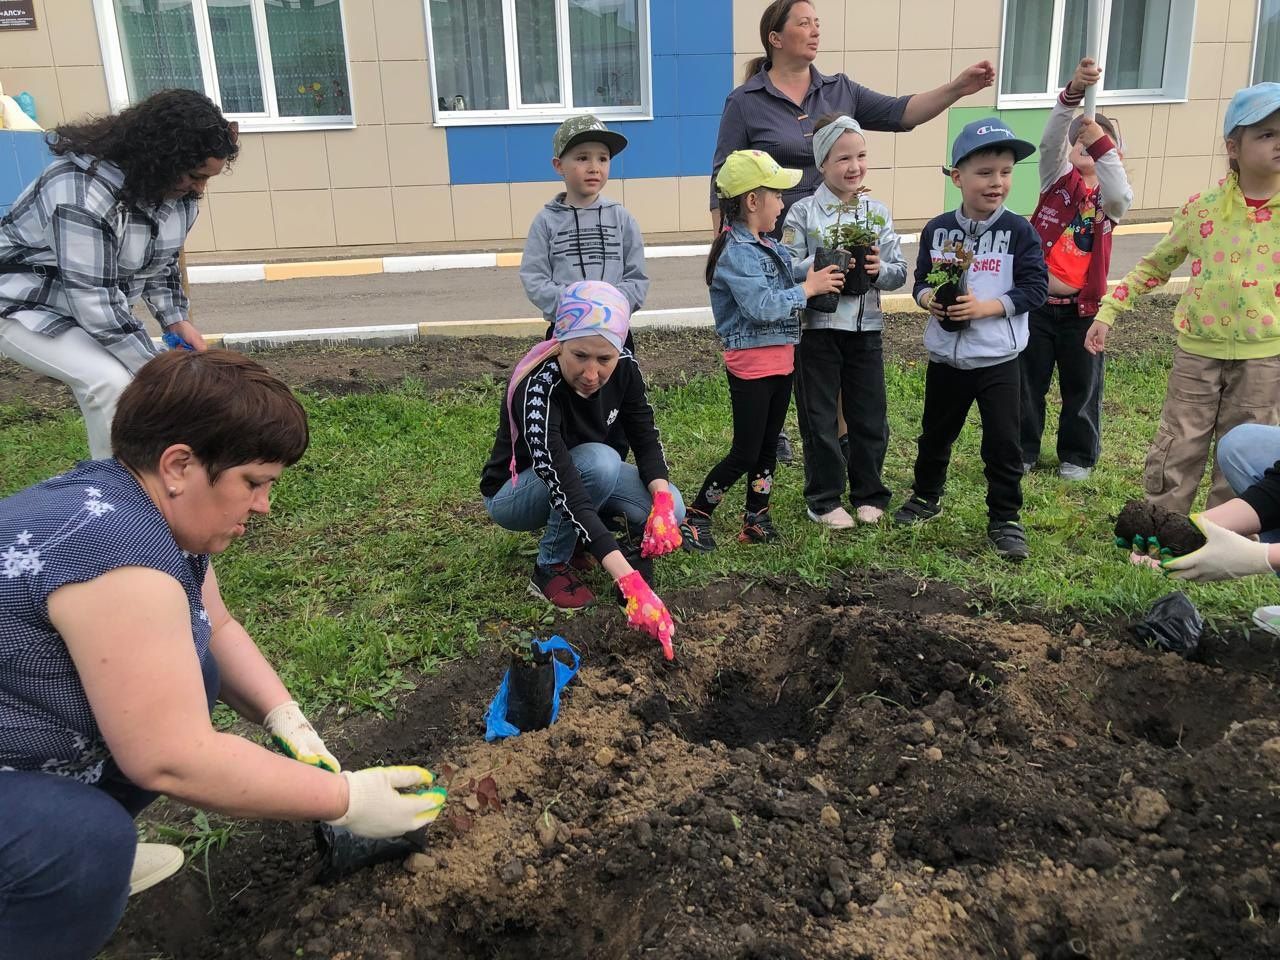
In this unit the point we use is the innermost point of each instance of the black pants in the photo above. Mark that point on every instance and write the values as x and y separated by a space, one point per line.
948 395
1057 339
759 407
840 366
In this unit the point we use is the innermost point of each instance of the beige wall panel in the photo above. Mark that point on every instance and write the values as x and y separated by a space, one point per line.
615 190
926 25
924 146
1159 129
1236 64
73 33
364 216
746 25
917 193
1219 135
655 203
873 28
922 70
977 23
1137 173
362 30
881 151
963 57
422 214
830 61
877 69
1150 198
242 221
1241 20
84 92
296 161
358 158
481 211
831 20
1206 71
366 78
1191 129
41 83
200 239
740 61
1211 21
405 97
1183 176
418 154
249 173
528 198
27 48
304 218
402 29
695 204
1135 128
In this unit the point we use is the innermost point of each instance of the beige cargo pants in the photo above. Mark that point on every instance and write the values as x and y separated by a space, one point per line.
1204 400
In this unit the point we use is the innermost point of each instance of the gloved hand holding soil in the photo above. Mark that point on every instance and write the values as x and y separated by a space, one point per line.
1148 529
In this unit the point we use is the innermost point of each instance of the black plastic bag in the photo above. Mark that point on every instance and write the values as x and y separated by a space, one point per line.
823 258
857 282
342 853
531 687
1173 624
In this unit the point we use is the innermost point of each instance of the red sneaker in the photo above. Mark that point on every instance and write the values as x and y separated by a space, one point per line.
560 585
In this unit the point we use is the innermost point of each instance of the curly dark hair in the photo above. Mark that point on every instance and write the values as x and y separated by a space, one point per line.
154 142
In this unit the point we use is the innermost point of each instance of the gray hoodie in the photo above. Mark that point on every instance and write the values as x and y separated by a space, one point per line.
567 244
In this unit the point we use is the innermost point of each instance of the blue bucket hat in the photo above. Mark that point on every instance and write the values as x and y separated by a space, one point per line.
985 133
1251 105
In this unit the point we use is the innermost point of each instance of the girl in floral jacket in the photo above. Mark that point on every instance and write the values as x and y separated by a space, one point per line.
1226 365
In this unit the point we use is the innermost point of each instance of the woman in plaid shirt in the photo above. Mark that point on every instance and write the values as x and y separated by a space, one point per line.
100 228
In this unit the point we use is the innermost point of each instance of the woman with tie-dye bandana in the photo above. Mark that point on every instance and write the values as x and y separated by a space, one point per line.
573 405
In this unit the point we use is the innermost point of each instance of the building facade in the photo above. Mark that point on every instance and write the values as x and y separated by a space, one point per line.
378 122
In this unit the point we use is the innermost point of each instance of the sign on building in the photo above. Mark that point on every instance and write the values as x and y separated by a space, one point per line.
17 14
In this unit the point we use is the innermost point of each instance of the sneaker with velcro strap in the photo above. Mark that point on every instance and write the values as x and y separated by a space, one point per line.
757 527
916 510
1009 540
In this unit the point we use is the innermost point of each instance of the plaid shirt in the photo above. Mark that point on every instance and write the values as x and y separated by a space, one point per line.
107 253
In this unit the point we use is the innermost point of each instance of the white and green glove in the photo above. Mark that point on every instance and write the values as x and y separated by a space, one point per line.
1224 556
378 808
297 738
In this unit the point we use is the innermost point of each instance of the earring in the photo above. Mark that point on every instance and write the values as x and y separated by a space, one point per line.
173 491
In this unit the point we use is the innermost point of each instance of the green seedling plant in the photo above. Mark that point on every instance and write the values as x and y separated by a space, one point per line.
956 260
863 230
199 841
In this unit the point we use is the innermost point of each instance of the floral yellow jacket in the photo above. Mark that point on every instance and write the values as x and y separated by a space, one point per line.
1231 310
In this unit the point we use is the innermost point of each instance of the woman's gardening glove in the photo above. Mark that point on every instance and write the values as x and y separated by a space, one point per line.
379 808
296 738
1225 555
646 612
661 532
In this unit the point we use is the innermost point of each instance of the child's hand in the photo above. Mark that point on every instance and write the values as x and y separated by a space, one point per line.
1087 74
936 310
827 280
1095 340
967 307
872 263
1090 132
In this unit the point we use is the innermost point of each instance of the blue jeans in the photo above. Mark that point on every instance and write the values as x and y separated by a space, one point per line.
614 486
66 851
1245 454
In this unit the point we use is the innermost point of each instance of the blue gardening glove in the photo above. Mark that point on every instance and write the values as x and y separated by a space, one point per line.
296 738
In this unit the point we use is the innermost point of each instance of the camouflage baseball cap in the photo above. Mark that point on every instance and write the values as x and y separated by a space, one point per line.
586 127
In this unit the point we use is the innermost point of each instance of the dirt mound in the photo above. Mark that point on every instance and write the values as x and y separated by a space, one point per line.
816 776
1172 530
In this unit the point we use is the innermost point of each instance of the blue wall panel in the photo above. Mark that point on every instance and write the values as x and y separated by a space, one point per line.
697 144
478 154
23 155
529 151
704 81
705 27
662 25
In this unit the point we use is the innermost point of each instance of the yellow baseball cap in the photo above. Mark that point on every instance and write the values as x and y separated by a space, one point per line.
747 170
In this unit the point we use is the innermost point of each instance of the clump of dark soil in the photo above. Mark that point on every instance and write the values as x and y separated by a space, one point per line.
1173 530
864 772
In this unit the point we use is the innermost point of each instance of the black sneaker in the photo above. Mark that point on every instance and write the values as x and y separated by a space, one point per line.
1009 539
695 532
916 510
786 455
757 527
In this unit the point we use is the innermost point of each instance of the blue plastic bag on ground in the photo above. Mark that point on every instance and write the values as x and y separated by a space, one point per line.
495 718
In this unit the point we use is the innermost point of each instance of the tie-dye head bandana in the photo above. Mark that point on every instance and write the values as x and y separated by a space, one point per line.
586 308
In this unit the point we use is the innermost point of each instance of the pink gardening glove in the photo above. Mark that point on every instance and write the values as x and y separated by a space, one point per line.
646 612
661 532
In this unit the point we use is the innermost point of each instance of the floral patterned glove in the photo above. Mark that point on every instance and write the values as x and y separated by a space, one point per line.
661 532
646 612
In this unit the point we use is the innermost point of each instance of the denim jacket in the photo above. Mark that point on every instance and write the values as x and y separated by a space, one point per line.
754 301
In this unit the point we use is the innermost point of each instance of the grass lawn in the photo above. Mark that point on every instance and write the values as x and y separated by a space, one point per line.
378 560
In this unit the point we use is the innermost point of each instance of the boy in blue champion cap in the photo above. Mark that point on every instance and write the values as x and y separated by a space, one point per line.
974 342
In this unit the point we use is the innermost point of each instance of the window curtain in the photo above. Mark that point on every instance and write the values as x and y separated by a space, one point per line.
604 38
158 46
1028 30
470 53
235 55
538 46
1136 42
1266 63
1075 27
308 57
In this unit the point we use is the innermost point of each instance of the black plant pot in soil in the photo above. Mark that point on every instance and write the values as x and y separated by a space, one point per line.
946 296
342 853
857 282
823 258
530 689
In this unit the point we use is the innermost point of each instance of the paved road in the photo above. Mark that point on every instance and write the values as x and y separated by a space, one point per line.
457 295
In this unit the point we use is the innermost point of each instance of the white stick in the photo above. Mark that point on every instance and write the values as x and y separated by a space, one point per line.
1093 42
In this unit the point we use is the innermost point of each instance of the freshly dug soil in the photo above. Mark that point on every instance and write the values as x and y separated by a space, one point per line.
1173 530
863 772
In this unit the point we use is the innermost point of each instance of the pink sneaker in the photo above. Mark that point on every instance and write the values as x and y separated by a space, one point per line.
837 519
869 514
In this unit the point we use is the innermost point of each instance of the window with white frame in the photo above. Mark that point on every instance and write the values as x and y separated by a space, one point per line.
268 63
538 60
1266 44
1145 50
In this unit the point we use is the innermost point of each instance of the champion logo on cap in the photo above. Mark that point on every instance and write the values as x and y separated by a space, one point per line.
983 131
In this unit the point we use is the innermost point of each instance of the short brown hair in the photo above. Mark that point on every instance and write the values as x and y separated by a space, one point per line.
229 409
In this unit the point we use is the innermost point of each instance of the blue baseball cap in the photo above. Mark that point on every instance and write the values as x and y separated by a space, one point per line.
984 133
1251 105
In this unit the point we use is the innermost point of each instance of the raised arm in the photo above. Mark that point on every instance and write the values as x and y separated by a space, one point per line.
923 107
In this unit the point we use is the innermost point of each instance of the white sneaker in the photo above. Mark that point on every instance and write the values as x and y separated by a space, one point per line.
1072 471
1268 618
837 519
152 863
869 514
